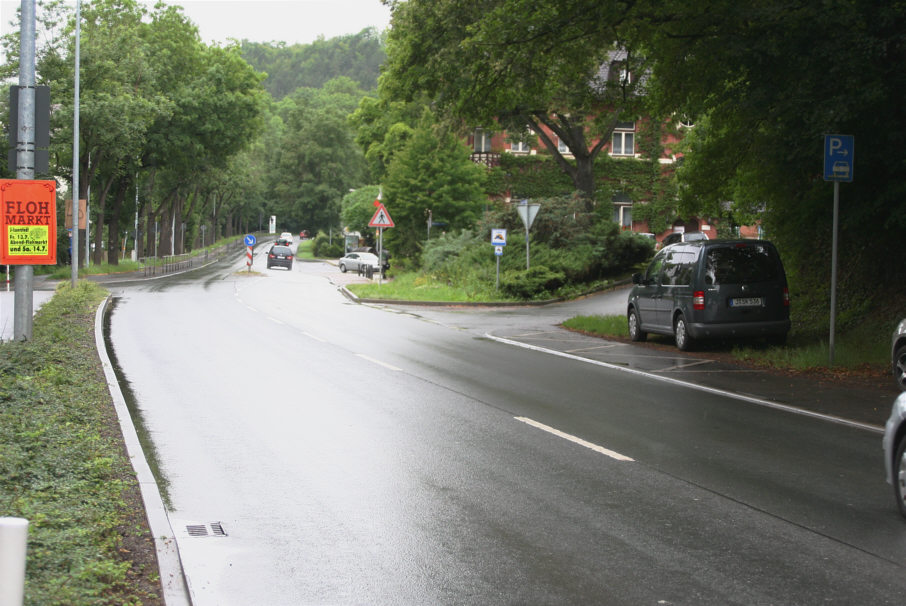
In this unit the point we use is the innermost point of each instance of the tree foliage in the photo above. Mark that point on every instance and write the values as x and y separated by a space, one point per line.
432 172
357 57
487 64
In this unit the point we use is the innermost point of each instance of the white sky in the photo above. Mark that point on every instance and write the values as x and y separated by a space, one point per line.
290 21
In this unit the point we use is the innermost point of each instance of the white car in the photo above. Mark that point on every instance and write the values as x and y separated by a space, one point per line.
288 237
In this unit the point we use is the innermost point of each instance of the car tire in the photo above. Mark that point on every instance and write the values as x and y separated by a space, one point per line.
342 268
681 334
899 367
899 475
635 327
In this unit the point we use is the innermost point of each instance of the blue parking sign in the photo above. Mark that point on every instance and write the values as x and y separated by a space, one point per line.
838 157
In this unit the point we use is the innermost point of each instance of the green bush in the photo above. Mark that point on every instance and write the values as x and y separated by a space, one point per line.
322 248
534 283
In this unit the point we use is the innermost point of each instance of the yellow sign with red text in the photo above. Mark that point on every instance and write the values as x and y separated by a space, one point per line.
28 222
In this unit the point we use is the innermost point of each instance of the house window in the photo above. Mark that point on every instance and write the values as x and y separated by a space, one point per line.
623 139
562 147
482 140
519 146
622 210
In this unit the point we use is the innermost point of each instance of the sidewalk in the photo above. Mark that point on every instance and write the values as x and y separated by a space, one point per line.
7 309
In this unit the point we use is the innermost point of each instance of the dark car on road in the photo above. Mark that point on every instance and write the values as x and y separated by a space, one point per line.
711 289
280 256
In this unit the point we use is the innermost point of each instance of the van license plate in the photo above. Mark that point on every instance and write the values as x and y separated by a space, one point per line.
746 302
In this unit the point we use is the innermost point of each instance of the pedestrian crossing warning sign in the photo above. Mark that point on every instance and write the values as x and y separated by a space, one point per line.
381 218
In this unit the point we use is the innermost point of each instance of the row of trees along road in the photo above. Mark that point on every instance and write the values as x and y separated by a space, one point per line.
190 132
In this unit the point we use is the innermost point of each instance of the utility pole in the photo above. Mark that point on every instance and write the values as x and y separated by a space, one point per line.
23 300
76 202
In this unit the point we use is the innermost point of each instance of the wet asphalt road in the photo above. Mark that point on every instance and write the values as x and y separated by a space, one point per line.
406 455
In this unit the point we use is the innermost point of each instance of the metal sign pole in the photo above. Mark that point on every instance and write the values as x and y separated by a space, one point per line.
833 293
23 299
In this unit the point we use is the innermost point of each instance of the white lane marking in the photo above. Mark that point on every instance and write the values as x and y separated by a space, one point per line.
712 390
311 336
274 320
378 362
683 366
600 449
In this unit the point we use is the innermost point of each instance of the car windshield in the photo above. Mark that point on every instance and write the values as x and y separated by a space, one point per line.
738 264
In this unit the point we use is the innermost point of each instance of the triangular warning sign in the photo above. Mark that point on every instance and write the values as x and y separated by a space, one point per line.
381 218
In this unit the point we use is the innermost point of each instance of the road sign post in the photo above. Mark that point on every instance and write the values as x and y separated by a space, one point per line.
498 239
839 155
527 212
380 220
250 241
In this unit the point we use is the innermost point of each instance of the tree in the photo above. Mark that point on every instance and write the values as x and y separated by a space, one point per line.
433 172
317 160
765 81
488 64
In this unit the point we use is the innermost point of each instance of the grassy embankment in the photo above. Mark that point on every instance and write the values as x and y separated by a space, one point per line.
64 468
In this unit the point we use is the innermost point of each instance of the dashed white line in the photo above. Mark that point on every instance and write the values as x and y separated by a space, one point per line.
599 449
379 362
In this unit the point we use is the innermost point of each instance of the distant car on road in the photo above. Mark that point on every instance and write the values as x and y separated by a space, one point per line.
898 355
280 256
287 237
894 443
354 260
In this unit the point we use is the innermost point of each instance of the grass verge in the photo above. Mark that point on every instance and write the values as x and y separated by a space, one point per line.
864 350
63 465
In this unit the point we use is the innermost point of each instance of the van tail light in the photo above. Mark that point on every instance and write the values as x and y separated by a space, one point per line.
698 300
786 296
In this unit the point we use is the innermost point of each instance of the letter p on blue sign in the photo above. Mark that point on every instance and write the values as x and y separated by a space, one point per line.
838 158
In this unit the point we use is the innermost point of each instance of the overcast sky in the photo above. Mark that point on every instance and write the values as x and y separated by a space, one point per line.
290 21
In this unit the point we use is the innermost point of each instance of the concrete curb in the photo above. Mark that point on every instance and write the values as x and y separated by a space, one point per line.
355 299
172 579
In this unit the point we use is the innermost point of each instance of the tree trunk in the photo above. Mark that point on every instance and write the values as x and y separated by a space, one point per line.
98 255
113 228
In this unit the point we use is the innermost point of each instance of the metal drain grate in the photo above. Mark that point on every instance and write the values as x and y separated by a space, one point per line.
213 529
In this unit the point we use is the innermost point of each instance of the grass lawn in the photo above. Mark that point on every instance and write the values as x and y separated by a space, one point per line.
64 468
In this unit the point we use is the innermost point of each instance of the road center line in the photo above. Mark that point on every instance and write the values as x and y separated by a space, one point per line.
599 449
713 390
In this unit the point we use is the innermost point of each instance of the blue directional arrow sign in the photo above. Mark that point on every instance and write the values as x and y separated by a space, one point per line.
838 158
250 240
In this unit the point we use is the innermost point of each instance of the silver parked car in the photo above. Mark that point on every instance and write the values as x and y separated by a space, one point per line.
895 451
354 260
898 355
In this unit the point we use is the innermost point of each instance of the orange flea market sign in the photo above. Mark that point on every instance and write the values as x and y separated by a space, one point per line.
28 222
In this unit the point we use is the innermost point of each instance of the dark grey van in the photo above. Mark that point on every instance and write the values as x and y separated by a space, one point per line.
711 289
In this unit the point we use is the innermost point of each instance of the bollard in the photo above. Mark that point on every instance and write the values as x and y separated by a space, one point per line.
13 540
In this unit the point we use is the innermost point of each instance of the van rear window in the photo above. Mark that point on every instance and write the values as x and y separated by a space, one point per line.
738 264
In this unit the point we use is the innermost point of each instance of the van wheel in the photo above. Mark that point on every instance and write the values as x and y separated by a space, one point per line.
683 340
635 327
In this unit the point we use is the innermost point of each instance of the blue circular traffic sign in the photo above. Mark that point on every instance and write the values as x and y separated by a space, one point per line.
250 240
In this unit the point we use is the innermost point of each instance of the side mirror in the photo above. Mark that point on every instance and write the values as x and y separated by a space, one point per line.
636 278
